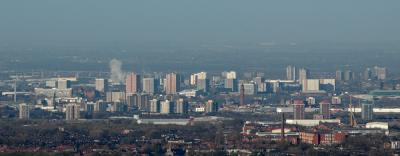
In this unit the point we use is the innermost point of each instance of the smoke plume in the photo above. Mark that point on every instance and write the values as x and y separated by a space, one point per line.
117 75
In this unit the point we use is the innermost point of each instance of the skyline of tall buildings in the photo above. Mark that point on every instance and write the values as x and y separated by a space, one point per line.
145 87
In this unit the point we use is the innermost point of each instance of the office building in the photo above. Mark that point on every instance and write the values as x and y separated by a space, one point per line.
101 106
115 96
261 85
276 86
298 110
203 85
167 107
118 107
90 107
63 84
140 101
380 73
229 75
51 84
132 83
72 111
181 106
327 84
101 85
368 74
23 111
211 106
324 109
196 76
303 75
291 72
339 75
367 110
149 85
311 85
49 93
172 83
249 88
155 106
242 95
348 75
231 84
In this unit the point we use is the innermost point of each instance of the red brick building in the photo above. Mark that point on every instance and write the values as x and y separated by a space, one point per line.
322 138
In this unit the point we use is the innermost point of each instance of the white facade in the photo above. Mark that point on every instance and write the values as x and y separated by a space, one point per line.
189 93
51 83
249 88
166 107
194 77
306 122
380 125
63 84
311 85
200 109
101 85
50 92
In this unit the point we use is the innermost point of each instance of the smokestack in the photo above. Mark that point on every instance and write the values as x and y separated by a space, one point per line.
117 76
242 94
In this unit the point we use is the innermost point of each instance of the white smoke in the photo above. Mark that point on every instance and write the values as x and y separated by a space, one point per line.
117 75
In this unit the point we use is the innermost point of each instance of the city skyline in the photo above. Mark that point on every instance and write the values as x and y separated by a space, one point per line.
177 78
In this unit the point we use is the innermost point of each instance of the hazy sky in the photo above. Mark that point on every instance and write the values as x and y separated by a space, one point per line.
52 21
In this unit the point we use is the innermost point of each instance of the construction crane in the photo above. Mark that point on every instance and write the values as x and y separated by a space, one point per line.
352 119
